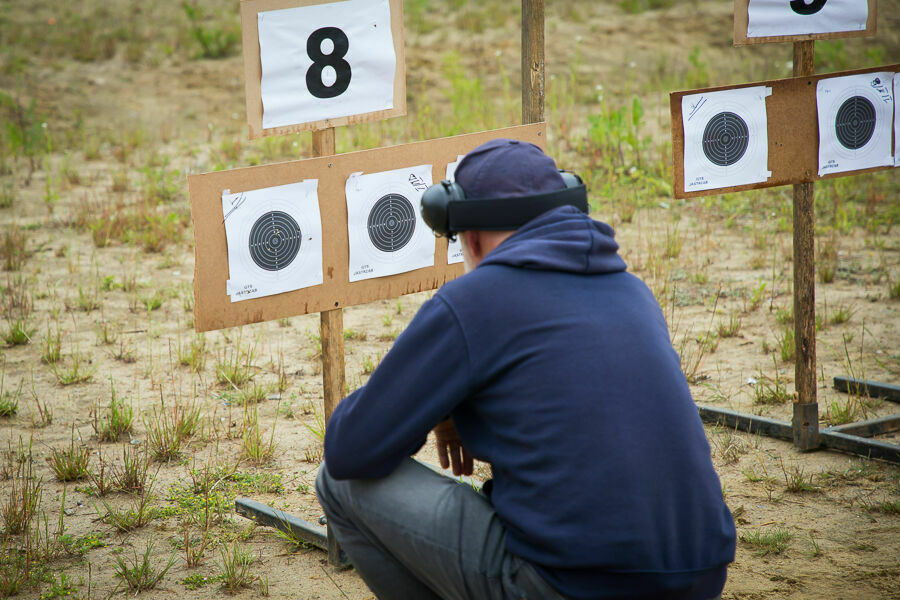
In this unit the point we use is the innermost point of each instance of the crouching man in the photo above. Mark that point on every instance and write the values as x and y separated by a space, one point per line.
551 362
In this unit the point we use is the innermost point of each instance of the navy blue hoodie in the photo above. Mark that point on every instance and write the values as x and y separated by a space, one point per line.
557 369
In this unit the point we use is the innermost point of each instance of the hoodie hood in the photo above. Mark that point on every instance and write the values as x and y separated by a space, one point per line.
563 239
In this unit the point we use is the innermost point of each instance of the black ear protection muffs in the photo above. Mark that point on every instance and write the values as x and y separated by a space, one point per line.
447 211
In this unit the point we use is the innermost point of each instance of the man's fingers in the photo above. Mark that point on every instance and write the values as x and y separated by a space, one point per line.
455 450
442 454
468 462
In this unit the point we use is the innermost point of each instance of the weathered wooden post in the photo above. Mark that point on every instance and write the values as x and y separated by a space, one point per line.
805 421
532 61
331 335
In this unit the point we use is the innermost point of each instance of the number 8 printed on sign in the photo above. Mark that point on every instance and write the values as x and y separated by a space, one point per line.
802 8
326 61
315 75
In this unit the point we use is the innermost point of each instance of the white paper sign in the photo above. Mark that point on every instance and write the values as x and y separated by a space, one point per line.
802 17
454 248
326 61
855 116
896 120
386 232
274 238
725 138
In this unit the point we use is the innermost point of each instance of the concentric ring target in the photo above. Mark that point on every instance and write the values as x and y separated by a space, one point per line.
391 223
725 139
275 240
854 123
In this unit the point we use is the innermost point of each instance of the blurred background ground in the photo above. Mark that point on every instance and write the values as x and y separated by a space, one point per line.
108 105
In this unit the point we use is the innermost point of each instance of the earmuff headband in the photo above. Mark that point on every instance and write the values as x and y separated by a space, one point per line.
500 214
447 211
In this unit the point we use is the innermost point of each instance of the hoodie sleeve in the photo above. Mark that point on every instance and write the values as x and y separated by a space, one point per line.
418 383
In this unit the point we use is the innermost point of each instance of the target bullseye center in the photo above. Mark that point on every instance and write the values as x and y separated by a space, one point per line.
854 123
726 139
275 240
391 223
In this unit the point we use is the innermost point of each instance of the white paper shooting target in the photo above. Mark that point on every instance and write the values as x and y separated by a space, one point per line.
454 248
725 138
800 17
274 238
855 117
385 228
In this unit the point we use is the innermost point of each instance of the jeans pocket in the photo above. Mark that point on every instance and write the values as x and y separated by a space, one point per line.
528 584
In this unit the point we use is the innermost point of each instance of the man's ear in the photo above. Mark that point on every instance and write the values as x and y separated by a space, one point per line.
473 241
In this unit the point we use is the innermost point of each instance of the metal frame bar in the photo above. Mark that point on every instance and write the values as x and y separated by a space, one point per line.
831 438
873 389
869 428
314 535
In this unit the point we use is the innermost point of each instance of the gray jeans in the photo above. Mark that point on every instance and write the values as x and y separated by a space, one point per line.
418 535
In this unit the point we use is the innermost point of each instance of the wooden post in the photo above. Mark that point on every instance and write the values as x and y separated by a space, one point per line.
331 334
532 61
805 421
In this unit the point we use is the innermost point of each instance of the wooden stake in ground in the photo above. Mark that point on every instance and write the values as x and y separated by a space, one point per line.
532 61
805 421
331 335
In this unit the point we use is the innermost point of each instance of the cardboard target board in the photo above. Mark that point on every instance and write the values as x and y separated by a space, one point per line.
314 64
275 247
762 21
792 124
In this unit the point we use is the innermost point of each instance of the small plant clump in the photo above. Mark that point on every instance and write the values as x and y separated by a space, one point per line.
70 464
765 543
78 370
796 480
25 490
729 328
9 399
51 347
194 356
18 331
168 430
256 448
13 251
768 391
117 419
235 567
138 572
355 335
132 478
235 366
838 413
129 519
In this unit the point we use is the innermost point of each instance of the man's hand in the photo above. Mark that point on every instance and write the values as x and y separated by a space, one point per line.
447 442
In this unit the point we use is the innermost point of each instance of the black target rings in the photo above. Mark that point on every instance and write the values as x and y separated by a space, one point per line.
855 122
725 139
275 240
391 223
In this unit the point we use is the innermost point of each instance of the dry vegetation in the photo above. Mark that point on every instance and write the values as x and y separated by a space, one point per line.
126 436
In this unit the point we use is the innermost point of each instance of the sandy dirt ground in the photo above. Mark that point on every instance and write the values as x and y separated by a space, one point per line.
123 111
